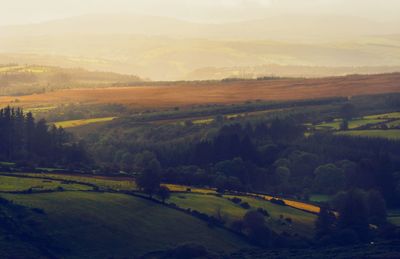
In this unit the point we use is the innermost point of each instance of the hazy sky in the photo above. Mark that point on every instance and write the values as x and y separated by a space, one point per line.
28 11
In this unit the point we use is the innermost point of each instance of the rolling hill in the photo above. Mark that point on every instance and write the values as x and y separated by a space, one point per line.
25 79
173 94
169 49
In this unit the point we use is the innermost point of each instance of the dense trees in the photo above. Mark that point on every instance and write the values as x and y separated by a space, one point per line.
358 213
149 178
329 179
24 139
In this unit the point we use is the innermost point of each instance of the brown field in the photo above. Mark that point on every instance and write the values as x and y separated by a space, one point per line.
192 93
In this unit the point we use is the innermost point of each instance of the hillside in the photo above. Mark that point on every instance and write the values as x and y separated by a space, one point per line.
273 26
169 49
172 94
25 79
114 225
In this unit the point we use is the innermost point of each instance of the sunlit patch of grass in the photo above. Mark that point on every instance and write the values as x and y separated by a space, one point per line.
184 188
77 123
12 184
99 181
392 115
302 222
40 109
320 198
203 121
352 124
295 204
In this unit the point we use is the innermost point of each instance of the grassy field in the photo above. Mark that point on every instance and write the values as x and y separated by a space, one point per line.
104 225
352 124
389 134
320 198
394 217
83 122
104 183
392 115
128 184
12 184
192 93
184 188
40 109
393 124
302 222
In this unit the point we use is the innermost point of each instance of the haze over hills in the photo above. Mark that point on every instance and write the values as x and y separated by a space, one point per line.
275 27
162 48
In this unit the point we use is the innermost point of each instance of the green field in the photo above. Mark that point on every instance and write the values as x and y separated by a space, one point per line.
83 122
320 198
7 163
392 115
302 222
394 217
393 124
13 184
103 183
389 134
335 125
105 225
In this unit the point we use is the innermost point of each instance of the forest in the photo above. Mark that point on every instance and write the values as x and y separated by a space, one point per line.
29 142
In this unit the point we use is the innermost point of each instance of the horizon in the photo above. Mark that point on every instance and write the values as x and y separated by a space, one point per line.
27 12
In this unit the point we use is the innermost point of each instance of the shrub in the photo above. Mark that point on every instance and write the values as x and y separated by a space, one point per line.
346 237
245 205
236 200
237 225
38 210
264 212
278 202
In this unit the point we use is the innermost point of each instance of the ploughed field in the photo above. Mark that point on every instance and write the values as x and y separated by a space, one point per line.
196 93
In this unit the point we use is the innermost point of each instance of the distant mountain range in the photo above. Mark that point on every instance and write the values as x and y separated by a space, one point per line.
295 27
168 49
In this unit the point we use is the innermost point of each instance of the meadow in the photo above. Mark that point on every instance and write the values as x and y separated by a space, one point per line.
19 184
335 125
83 122
103 183
373 124
128 184
301 223
104 225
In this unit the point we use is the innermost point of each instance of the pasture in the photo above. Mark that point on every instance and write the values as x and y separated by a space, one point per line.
320 198
102 182
335 125
389 134
301 222
109 225
215 92
83 122
19 184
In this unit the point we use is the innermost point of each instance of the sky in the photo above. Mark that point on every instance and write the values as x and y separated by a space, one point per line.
34 11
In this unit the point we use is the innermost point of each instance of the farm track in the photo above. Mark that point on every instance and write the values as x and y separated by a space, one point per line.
192 93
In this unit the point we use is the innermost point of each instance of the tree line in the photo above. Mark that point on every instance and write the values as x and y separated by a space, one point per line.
31 142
